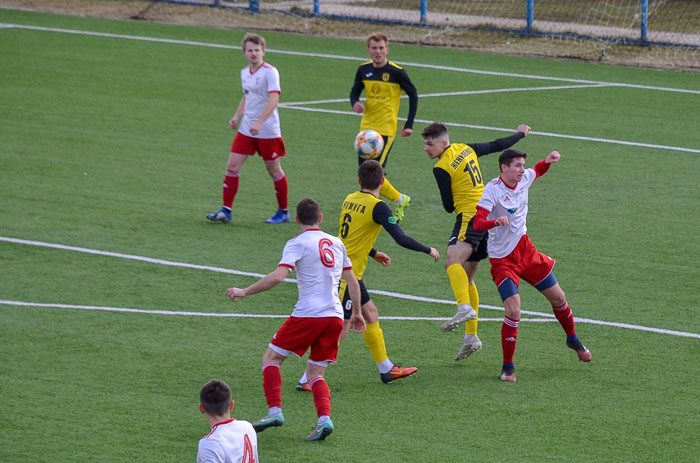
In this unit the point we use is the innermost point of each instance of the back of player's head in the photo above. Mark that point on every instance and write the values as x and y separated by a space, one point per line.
377 37
215 397
436 131
506 157
254 38
370 174
308 211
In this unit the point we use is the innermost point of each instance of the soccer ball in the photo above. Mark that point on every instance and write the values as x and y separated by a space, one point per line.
369 144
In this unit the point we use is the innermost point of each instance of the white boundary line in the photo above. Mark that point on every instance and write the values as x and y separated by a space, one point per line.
546 317
510 130
404 63
345 57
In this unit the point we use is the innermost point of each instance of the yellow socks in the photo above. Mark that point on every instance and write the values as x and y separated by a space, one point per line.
459 282
374 338
389 192
470 326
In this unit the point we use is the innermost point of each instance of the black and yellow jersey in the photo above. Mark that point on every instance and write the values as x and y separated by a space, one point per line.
459 177
383 87
362 217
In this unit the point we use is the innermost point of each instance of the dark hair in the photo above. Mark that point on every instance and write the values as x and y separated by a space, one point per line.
370 174
253 38
434 130
215 397
308 211
508 155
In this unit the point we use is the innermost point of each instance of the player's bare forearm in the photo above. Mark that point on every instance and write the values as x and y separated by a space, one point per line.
356 320
270 107
269 281
237 116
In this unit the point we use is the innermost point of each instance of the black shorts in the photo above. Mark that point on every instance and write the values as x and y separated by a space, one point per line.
347 303
477 239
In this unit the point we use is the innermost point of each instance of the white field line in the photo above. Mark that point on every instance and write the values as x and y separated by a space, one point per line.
462 92
344 57
545 316
222 315
403 63
509 130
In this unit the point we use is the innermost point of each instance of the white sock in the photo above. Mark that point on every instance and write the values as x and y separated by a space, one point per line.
323 418
385 366
469 338
274 410
303 379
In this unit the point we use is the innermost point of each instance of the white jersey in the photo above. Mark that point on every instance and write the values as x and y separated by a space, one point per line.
257 87
319 259
502 200
232 441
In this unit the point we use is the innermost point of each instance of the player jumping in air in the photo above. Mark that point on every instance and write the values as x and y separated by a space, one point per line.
460 183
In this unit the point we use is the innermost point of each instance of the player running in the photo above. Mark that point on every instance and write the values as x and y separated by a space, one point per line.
362 217
317 320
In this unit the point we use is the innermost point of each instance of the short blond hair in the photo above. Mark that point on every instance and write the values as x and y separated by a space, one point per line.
377 37
253 38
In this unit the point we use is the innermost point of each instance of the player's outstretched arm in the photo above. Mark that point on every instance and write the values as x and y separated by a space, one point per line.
524 129
435 254
552 157
269 281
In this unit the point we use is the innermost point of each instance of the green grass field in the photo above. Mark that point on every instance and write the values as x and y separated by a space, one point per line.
116 145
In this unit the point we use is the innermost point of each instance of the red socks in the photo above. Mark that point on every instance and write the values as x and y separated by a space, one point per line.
272 384
322 396
281 191
509 337
230 188
565 317
232 180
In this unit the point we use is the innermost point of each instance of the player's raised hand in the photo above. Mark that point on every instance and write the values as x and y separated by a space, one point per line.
382 258
552 157
234 293
524 129
436 255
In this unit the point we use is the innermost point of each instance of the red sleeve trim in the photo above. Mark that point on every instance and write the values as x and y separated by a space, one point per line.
541 168
290 267
347 268
275 91
481 223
